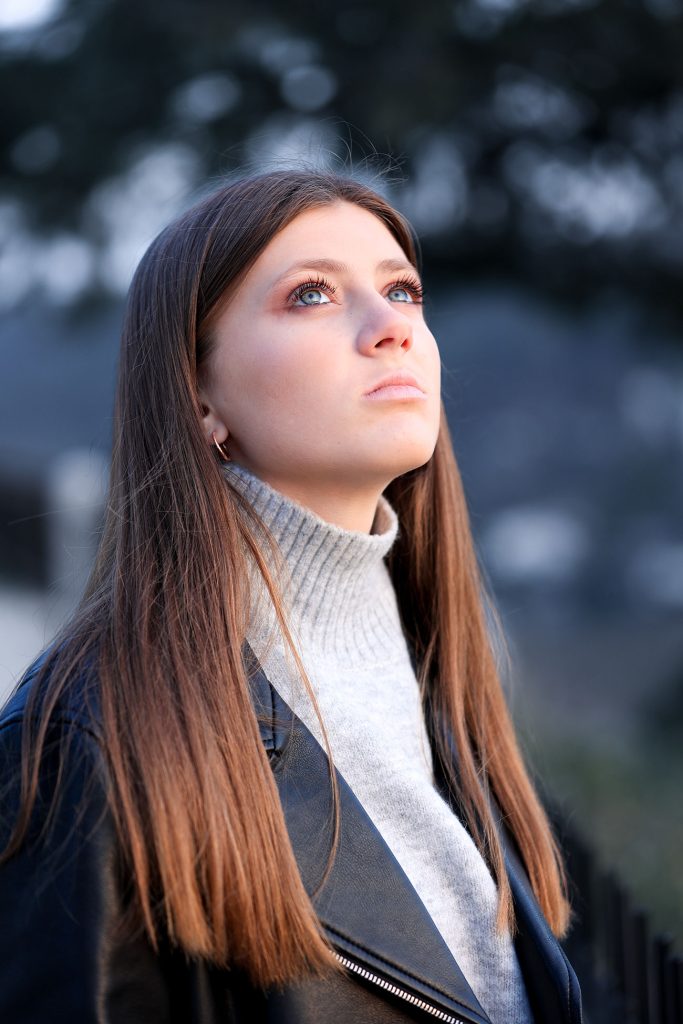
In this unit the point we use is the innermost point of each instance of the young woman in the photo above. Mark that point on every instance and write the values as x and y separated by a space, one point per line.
266 772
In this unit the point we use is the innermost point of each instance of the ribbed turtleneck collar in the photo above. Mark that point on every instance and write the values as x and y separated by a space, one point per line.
336 587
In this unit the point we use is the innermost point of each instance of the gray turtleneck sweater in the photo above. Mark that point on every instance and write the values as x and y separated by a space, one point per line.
342 610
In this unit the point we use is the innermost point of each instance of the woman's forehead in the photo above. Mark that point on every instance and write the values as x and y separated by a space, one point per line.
341 232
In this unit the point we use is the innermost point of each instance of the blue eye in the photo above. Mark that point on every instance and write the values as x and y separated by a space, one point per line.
312 297
312 293
407 289
392 295
317 292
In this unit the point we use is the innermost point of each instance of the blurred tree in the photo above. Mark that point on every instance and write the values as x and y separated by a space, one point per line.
539 140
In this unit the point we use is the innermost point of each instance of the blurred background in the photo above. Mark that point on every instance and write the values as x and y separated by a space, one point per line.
537 147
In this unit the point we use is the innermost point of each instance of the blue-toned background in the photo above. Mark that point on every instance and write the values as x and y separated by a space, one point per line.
537 146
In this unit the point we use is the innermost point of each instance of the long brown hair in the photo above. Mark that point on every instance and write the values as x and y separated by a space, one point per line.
197 813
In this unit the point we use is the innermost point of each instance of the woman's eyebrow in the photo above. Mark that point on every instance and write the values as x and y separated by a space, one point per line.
334 266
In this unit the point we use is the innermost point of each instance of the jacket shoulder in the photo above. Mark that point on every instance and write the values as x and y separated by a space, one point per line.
63 895
77 703
71 770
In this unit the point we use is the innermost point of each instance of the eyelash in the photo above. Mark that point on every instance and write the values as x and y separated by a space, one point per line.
411 284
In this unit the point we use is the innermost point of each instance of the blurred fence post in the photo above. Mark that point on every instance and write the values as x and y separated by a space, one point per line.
628 973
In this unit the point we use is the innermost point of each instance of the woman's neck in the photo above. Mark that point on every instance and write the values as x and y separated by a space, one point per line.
350 508
334 582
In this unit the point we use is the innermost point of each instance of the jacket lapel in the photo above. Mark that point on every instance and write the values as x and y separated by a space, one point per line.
367 905
551 984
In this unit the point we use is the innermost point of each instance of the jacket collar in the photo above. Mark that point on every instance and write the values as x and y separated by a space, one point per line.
552 986
367 905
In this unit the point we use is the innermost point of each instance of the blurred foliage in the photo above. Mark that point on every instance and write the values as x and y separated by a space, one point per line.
664 714
624 799
538 140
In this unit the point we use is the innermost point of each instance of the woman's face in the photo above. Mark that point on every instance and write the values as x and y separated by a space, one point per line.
329 311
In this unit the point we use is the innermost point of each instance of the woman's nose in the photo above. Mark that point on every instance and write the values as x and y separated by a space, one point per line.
385 326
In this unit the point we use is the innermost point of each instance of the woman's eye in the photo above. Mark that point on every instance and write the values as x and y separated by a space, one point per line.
318 292
400 295
315 292
406 289
311 297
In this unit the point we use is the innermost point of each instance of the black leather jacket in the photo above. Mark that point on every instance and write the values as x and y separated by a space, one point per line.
61 958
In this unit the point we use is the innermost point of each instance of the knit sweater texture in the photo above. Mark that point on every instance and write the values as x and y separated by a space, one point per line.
342 610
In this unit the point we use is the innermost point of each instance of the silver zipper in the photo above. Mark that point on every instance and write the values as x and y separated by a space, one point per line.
396 991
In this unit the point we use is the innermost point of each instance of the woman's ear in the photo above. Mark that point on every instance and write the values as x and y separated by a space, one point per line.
211 421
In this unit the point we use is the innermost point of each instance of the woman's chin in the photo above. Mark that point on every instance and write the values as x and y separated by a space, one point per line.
401 460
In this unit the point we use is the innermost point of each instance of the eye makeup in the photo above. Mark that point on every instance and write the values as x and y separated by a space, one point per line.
409 282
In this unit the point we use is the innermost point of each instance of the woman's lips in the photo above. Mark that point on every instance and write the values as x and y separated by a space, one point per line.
396 386
395 392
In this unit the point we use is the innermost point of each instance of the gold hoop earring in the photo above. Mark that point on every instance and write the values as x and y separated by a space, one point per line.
223 452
